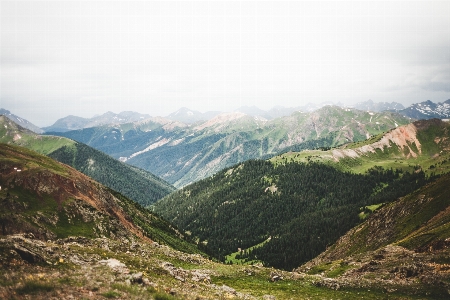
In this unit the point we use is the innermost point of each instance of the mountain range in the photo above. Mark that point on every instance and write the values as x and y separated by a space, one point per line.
74 122
181 153
423 110
370 105
65 235
428 110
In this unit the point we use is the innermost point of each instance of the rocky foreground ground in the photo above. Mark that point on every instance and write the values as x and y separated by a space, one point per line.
101 268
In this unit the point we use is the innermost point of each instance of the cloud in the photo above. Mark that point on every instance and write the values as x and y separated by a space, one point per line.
154 57
437 86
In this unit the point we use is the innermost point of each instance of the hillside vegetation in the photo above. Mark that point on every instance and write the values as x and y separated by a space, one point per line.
422 145
305 202
137 184
407 240
64 236
51 200
182 154
302 207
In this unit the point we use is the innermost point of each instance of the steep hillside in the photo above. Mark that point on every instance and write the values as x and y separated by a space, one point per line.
408 239
301 208
51 200
184 154
135 183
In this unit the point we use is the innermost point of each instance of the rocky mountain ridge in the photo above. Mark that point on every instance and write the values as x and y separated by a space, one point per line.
428 110
370 105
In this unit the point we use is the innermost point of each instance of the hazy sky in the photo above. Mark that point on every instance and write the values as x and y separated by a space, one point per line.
86 57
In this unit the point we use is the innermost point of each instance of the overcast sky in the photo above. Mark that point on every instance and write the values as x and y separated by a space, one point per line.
85 57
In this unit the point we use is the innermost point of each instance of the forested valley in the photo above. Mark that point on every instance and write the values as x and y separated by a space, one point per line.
302 208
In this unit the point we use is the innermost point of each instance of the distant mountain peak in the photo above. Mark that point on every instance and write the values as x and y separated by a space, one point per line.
20 121
370 105
189 116
428 110
222 118
74 123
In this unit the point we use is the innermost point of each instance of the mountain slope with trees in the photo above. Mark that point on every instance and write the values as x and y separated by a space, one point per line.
69 203
304 206
301 207
407 240
137 184
182 154
64 235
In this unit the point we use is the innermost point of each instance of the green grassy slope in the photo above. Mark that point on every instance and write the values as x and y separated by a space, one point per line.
432 137
135 183
51 200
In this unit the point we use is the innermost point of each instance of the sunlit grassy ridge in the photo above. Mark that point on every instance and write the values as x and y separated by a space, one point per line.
433 156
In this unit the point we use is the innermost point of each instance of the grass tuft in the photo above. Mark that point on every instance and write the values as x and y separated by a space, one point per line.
110 294
34 287
163 296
